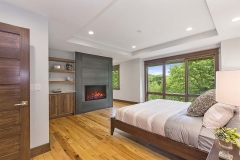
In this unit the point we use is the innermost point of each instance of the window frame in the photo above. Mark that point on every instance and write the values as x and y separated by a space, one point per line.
117 67
186 57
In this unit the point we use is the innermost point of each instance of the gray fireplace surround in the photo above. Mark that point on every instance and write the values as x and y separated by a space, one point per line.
92 70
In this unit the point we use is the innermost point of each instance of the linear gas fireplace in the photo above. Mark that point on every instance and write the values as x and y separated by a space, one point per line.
95 92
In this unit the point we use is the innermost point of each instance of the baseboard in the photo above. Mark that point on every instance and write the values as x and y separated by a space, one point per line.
131 102
40 150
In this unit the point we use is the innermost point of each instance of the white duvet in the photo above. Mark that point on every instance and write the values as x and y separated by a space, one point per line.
151 115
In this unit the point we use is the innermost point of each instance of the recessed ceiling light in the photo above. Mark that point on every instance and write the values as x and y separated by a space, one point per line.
189 29
90 32
133 46
235 19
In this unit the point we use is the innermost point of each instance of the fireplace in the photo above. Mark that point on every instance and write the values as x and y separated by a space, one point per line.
93 82
95 92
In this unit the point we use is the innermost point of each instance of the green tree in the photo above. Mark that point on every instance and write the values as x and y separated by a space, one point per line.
155 83
115 78
175 81
154 96
201 75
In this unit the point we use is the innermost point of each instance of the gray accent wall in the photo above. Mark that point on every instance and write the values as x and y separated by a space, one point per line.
92 70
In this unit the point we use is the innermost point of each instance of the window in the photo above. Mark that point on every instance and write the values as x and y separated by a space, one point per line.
175 76
182 77
201 75
116 77
155 78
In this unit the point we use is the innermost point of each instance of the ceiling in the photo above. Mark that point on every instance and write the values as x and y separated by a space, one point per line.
116 25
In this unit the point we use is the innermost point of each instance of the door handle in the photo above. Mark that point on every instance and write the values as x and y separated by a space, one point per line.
24 103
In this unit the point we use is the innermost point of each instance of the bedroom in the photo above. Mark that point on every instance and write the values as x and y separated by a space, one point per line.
133 35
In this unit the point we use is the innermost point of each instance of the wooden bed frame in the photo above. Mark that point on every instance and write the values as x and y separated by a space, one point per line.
177 148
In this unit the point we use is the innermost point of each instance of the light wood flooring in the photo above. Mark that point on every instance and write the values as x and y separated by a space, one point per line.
87 137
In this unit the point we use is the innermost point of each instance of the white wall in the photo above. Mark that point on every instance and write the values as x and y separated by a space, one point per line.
230 54
130 81
54 76
132 72
39 106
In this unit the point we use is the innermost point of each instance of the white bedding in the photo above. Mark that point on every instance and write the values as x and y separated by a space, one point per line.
151 115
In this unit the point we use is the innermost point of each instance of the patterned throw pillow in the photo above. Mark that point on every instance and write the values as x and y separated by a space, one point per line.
202 104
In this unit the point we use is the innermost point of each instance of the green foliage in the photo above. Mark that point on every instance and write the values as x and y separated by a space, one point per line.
200 79
175 81
191 99
176 98
201 75
227 134
154 96
155 83
115 78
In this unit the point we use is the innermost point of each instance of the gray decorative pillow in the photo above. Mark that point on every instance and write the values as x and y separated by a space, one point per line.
202 104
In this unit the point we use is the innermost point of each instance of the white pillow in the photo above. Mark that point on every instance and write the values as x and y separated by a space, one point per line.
218 115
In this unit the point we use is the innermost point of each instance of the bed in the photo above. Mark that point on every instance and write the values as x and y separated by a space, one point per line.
164 123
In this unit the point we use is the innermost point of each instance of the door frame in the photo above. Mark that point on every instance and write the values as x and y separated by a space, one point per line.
25 92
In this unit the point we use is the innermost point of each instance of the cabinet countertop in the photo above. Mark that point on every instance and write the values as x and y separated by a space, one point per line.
63 92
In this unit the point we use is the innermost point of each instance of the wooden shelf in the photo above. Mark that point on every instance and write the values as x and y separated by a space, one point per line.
61 71
61 60
63 82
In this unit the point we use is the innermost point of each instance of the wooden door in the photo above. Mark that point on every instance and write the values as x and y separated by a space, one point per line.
53 105
14 89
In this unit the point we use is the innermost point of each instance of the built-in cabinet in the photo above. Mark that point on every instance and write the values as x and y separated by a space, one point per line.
61 79
61 104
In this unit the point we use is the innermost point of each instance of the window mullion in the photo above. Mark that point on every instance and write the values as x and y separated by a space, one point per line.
146 83
186 80
216 67
164 80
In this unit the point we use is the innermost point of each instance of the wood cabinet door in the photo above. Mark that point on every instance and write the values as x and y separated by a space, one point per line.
61 104
74 103
14 93
53 105
65 103
68 108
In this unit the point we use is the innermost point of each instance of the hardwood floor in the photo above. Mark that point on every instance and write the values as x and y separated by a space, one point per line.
87 137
